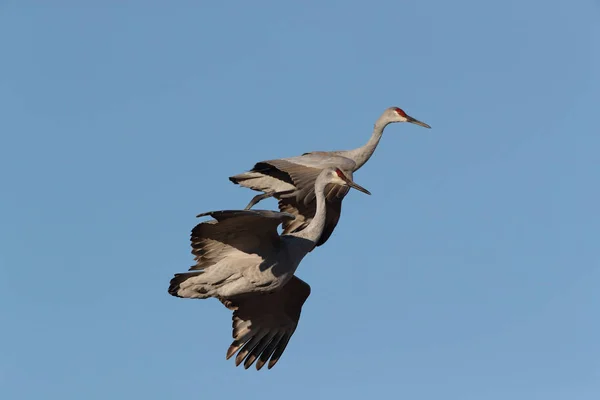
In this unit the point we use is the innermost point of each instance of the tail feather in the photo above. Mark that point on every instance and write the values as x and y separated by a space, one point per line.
261 170
240 179
178 279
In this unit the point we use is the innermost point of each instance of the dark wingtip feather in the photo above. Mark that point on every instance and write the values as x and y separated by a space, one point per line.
231 351
239 359
174 285
259 364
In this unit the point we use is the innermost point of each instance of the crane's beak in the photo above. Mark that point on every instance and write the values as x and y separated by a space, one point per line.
416 122
356 186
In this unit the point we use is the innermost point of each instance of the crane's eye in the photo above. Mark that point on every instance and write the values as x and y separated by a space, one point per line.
400 112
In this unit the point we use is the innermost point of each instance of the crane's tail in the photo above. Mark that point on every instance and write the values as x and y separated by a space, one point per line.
240 179
264 177
186 285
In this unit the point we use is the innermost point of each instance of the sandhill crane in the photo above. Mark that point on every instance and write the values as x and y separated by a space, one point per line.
243 261
291 180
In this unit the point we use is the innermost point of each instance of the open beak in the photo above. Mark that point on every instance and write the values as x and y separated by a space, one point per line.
417 122
356 186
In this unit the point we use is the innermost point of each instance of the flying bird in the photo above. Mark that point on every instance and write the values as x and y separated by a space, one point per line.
292 180
245 263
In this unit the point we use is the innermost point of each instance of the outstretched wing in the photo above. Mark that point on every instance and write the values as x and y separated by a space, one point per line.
248 231
264 323
244 235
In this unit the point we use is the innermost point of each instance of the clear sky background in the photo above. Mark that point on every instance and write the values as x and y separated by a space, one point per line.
472 272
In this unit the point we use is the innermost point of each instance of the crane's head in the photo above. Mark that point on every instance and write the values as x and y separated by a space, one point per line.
395 114
335 175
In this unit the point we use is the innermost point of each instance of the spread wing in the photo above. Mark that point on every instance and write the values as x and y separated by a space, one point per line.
247 231
264 323
243 235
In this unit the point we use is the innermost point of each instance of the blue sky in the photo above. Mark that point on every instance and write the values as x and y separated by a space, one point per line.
472 272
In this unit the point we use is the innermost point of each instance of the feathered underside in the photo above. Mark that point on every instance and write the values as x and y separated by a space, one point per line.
228 250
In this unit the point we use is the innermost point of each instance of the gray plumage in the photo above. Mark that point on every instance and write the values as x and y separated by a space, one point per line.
243 261
292 180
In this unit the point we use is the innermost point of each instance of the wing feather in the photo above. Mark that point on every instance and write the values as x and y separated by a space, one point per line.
264 323
243 230
246 236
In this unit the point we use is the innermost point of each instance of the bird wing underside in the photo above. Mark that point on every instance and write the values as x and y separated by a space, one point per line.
264 323
246 231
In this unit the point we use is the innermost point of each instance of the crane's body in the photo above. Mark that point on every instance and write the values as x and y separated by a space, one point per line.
263 269
262 178
291 180
244 262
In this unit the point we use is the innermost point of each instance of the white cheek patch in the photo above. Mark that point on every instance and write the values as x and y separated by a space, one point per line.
339 180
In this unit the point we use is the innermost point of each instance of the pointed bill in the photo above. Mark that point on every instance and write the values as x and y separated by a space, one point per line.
416 122
355 185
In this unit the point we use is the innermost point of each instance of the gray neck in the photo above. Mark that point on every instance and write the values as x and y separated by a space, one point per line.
314 230
361 155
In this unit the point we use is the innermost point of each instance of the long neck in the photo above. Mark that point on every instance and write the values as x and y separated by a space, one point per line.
315 228
362 154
